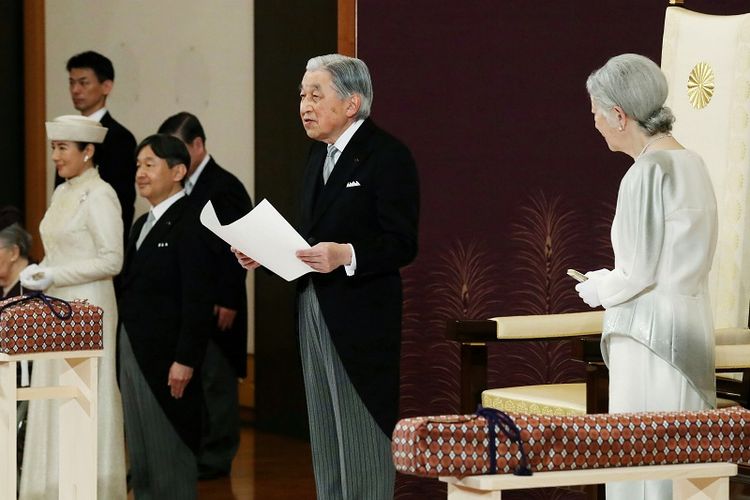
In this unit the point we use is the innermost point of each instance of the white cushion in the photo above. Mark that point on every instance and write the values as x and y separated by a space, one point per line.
549 325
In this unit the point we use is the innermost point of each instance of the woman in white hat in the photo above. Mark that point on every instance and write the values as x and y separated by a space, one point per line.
82 236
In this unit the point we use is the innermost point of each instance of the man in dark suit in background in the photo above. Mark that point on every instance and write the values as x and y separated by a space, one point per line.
226 354
165 318
360 207
91 77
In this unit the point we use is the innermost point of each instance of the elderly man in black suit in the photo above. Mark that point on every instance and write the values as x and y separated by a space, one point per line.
91 78
226 354
360 205
165 317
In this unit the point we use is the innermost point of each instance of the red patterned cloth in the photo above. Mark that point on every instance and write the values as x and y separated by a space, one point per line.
456 445
30 326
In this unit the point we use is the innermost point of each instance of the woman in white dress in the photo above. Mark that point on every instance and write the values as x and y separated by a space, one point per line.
657 335
82 236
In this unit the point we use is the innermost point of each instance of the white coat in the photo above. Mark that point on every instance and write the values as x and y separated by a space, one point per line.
82 236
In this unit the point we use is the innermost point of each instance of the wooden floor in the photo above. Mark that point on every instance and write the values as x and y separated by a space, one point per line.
267 467
273 467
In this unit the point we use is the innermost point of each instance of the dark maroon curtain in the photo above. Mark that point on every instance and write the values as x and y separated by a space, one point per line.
517 185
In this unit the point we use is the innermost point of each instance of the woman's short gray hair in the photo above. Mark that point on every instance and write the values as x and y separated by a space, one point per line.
637 85
18 236
349 75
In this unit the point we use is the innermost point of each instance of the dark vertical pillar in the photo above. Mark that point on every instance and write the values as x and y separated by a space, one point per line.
34 115
11 104
287 34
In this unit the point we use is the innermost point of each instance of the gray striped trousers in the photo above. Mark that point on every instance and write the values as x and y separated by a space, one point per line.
162 467
351 454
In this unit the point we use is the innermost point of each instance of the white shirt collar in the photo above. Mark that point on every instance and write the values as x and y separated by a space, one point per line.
162 207
344 138
98 114
193 179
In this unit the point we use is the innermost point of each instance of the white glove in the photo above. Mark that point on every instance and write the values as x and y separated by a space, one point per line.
598 274
35 277
589 290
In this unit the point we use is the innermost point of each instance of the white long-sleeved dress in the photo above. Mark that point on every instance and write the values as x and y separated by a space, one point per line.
664 237
82 236
658 335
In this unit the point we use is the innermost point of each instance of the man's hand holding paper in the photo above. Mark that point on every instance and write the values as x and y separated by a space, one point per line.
245 261
261 238
325 257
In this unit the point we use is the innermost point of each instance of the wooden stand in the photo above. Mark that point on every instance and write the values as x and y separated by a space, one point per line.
77 385
690 481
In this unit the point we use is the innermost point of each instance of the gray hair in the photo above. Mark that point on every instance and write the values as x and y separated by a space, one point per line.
18 236
637 85
349 76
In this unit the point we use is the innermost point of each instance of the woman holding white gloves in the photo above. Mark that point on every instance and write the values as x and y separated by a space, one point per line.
657 337
82 236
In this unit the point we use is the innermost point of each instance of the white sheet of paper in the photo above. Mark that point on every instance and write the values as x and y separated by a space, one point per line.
265 236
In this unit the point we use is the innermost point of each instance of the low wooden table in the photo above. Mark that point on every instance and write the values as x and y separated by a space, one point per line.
690 481
77 385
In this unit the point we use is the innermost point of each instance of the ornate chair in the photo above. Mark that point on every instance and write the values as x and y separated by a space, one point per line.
707 62
709 93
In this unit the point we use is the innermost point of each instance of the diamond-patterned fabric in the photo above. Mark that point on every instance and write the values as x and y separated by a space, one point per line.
30 327
456 445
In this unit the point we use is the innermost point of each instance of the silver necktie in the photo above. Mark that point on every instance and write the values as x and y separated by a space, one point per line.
330 162
188 186
145 229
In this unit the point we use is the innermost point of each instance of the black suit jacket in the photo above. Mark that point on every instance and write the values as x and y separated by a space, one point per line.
115 158
227 282
371 200
165 311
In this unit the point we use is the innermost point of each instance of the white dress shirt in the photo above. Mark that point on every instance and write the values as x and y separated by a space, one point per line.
193 179
162 207
98 114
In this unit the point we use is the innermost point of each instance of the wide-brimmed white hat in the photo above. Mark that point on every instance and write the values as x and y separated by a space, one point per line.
76 128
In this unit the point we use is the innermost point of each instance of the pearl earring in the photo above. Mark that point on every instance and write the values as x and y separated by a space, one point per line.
86 157
620 128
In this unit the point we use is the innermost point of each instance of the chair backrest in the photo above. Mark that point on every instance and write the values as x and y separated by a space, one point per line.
707 62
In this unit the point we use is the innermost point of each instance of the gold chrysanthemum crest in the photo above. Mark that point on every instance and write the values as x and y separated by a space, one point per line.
700 86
